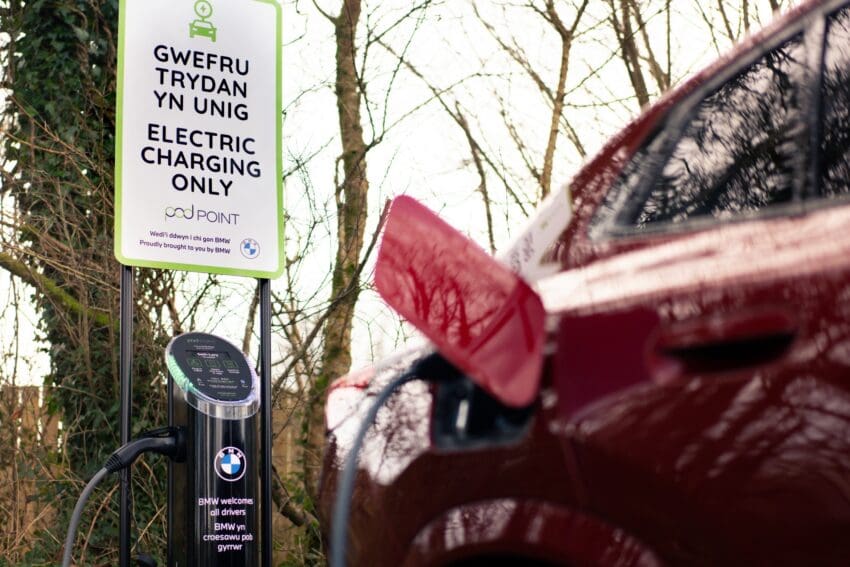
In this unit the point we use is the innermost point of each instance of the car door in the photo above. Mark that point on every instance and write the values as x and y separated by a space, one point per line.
702 373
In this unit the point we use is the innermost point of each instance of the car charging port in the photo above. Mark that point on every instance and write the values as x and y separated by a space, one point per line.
466 417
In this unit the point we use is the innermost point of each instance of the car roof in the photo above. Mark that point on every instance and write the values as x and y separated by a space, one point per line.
586 194
648 116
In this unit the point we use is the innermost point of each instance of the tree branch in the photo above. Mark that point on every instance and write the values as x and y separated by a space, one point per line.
52 290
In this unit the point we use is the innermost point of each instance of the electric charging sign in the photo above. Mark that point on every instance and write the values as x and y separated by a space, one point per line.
198 170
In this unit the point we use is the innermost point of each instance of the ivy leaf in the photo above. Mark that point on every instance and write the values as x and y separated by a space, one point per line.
81 34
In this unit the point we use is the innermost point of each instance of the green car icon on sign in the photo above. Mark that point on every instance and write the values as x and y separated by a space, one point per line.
202 27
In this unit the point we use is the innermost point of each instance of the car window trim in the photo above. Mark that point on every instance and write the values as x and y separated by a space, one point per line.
681 115
815 40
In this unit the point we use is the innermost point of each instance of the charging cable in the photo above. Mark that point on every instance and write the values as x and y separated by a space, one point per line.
430 367
169 441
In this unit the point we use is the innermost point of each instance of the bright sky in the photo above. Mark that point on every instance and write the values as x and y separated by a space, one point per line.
423 153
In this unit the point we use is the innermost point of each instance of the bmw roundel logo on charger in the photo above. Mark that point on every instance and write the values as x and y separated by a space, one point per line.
229 464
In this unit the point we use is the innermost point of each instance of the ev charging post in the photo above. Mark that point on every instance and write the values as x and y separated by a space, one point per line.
198 187
212 495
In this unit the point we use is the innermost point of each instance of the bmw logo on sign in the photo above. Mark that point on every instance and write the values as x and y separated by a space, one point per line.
230 464
250 248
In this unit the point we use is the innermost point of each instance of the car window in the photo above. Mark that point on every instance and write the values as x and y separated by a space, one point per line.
736 153
835 141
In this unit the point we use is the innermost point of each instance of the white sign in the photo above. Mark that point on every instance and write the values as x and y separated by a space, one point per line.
526 253
198 181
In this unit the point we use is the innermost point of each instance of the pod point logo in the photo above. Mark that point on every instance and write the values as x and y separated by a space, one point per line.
180 212
250 248
230 464
201 215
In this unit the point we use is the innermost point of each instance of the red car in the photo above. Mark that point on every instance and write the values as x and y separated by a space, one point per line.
676 391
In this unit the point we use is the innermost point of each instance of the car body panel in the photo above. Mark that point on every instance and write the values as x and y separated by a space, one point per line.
399 465
527 529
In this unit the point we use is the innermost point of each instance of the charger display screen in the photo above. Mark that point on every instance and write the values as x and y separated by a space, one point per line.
212 360
215 374
211 366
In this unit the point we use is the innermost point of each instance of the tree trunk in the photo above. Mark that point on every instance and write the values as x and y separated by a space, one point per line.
351 203
560 95
629 50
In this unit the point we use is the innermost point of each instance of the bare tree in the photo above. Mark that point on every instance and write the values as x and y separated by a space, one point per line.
553 95
333 326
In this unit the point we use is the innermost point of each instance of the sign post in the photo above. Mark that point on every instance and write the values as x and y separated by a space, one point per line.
198 172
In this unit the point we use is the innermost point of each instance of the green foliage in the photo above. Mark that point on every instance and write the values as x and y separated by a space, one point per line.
303 546
61 60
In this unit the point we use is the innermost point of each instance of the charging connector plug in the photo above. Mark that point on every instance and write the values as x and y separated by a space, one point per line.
168 441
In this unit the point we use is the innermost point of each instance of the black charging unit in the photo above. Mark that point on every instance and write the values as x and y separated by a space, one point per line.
213 496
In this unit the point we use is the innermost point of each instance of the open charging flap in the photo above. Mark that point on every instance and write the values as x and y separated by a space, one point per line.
481 316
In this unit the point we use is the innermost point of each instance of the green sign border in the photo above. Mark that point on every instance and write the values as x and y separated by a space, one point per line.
119 138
